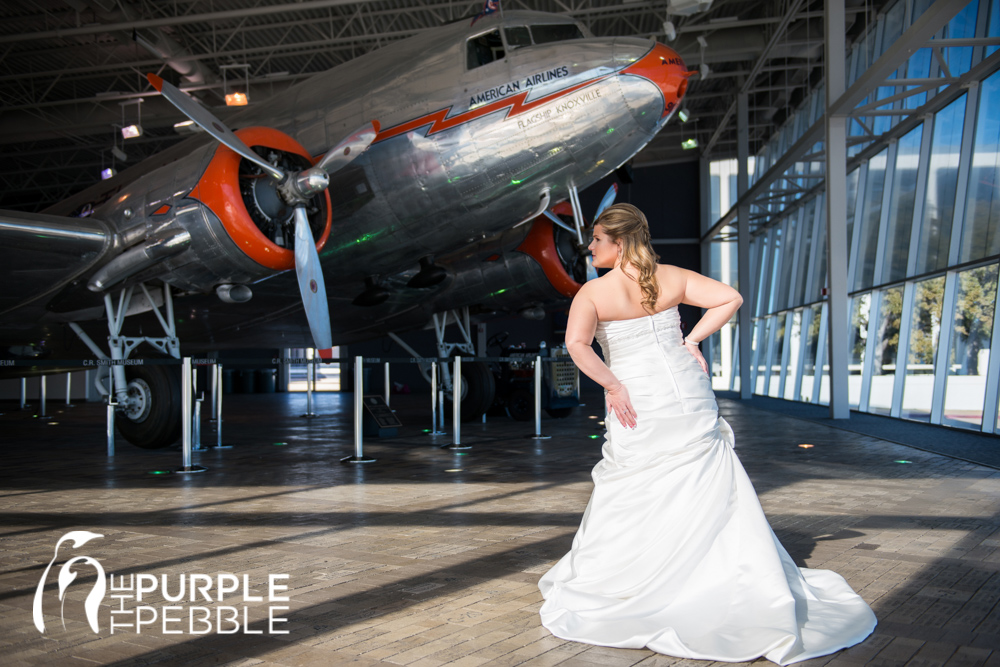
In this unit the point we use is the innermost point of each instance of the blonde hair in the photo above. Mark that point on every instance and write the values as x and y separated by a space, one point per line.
627 224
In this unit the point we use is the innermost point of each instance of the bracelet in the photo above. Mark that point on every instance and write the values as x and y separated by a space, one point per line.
692 342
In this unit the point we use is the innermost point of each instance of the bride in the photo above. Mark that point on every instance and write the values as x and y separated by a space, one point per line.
674 552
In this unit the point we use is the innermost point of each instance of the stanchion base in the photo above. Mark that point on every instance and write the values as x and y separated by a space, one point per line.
190 469
309 415
357 459
70 405
437 433
539 437
221 447
454 446
199 448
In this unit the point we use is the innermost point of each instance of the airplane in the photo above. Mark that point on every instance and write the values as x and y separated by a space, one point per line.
422 177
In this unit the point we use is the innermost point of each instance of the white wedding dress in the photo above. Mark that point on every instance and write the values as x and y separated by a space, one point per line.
674 552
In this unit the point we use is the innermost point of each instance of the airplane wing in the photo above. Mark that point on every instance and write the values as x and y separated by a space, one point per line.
42 255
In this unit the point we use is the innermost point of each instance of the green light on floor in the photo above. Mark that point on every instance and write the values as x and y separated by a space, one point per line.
427 430
610 130
515 182
593 437
159 472
461 453
901 461
280 444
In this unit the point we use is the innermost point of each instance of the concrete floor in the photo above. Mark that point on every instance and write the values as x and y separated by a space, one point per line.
431 557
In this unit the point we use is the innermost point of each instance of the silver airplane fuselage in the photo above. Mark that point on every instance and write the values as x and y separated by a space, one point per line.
466 150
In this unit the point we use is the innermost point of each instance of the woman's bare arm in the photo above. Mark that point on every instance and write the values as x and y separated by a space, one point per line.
580 330
719 299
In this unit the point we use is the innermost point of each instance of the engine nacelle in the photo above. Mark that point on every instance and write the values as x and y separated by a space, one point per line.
239 229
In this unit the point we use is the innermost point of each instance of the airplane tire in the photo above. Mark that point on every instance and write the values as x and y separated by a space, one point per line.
521 405
478 390
155 422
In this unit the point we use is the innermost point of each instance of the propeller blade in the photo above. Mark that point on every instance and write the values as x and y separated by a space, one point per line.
204 118
340 155
311 283
609 199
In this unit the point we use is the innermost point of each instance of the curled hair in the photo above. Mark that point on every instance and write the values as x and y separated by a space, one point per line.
627 224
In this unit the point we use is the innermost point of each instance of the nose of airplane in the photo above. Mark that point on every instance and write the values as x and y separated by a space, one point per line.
665 69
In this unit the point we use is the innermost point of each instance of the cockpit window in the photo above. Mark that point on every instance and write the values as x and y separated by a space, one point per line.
517 36
559 32
484 49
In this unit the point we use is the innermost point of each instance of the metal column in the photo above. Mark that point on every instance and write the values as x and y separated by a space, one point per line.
456 406
538 402
218 409
743 243
310 378
186 465
359 454
836 210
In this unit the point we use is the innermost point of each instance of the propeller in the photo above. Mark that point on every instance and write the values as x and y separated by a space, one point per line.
296 189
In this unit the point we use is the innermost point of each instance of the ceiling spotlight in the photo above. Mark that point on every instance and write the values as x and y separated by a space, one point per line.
132 131
107 173
688 144
236 99
669 31
683 114
119 153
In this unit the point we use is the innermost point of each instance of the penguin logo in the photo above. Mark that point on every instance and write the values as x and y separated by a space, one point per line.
66 577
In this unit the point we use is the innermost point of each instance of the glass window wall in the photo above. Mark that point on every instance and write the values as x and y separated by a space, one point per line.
902 198
942 181
925 330
970 347
871 214
923 235
884 350
856 342
981 231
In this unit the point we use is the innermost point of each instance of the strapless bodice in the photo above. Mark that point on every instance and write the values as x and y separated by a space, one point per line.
666 322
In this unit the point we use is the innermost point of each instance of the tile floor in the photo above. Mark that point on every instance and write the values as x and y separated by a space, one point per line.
430 556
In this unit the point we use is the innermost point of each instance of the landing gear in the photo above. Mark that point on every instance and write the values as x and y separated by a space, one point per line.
477 388
148 397
152 414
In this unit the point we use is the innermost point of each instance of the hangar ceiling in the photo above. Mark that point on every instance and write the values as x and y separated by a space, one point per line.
72 71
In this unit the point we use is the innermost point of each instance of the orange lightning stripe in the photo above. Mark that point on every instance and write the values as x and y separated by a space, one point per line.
516 106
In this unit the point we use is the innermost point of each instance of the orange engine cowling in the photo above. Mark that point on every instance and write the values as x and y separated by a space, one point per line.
540 245
246 202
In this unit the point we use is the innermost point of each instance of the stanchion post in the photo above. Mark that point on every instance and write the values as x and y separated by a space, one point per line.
456 406
42 396
310 375
186 466
359 378
69 389
111 424
387 385
24 393
538 401
437 421
218 410
213 387
196 419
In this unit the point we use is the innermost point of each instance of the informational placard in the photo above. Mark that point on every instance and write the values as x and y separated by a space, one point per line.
382 414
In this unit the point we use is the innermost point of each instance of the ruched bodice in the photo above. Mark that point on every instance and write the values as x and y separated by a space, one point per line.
674 552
